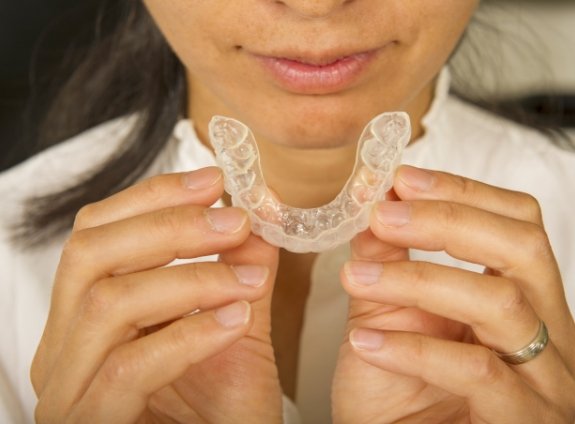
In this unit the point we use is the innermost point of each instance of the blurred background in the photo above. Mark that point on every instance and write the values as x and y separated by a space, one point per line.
518 52
529 46
36 37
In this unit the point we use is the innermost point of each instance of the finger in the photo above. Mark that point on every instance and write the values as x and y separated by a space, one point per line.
494 307
414 183
135 244
495 393
147 298
136 370
517 249
366 246
201 187
257 252
144 242
155 239
117 309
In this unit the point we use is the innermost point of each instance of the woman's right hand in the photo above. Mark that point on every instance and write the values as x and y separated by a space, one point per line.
124 342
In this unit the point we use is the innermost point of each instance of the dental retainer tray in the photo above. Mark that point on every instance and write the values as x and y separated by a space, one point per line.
316 229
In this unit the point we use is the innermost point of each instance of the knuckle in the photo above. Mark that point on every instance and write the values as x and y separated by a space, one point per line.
100 301
194 272
168 222
485 367
531 207
465 188
420 273
35 379
76 248
206 276
419 350
42 411
537 243
181 336
120 368
420 355
37 373
152 188
85 216
511 301
450 213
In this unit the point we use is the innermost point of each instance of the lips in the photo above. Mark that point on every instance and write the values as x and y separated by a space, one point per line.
316 74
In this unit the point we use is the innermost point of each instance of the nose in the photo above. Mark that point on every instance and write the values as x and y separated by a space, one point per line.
313 8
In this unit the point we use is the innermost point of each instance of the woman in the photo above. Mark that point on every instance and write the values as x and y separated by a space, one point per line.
236 329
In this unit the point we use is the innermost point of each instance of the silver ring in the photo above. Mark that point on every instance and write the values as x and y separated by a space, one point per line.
532 350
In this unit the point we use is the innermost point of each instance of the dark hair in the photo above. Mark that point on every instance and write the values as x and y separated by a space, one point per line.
130 70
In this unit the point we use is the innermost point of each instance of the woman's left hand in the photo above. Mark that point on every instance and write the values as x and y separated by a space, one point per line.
425 335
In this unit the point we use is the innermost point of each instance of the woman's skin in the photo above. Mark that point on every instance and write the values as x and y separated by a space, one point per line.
413 40
123 342
435 326
217 41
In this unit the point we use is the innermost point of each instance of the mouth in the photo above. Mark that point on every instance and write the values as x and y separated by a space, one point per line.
316 73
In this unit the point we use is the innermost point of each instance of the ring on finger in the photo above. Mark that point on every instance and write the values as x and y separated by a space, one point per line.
529 352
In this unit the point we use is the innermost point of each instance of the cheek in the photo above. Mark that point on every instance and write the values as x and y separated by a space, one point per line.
439 25
198 31
442 23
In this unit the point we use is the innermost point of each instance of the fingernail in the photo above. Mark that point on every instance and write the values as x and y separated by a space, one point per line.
225 220
417 179
251 275
201 179
363 273
233 315
365 339
394 213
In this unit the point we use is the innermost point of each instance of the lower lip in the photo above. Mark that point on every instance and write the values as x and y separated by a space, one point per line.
304 78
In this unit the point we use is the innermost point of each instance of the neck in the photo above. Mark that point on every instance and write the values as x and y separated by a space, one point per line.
306 178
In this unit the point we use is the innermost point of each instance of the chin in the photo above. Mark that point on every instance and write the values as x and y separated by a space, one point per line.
314 135
324 139
314 126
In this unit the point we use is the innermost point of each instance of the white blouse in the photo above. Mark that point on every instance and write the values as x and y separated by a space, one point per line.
458 138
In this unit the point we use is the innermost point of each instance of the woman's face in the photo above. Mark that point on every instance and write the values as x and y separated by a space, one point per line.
310 73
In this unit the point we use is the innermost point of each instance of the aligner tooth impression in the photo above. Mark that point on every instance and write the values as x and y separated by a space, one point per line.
316 229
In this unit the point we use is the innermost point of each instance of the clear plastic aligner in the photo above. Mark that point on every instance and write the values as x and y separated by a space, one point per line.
316 229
